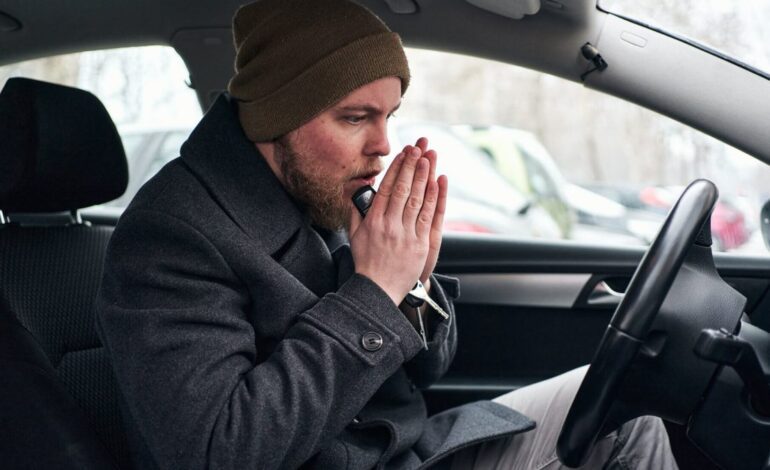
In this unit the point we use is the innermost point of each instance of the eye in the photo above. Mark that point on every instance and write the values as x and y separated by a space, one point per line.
354 119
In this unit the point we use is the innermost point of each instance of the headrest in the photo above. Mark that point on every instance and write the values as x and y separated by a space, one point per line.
59 149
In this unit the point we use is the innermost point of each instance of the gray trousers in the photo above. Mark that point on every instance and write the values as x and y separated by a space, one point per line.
638 444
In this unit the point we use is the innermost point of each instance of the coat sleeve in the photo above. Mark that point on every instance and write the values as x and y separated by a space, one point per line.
172 315
429 366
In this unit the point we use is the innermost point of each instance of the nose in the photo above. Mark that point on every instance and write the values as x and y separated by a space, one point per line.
378 144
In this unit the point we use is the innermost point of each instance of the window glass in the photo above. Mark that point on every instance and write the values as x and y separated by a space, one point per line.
144 90
168 150
738 29
578 164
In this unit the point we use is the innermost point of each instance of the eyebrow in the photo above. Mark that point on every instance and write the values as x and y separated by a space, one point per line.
367 108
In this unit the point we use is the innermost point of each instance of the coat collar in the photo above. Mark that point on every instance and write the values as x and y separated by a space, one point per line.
239 179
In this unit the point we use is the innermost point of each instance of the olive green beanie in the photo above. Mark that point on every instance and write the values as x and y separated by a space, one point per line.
296 58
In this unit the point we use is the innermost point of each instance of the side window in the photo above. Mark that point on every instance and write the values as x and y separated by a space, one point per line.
569 163
144 90
167 151
542 183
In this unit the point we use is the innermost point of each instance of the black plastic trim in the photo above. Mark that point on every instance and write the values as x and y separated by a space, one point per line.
496 254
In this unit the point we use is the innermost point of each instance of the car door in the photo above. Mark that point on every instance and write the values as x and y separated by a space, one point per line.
530 310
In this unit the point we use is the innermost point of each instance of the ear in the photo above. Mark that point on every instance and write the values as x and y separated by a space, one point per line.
267 149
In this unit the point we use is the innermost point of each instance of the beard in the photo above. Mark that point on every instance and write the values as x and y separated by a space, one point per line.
320 194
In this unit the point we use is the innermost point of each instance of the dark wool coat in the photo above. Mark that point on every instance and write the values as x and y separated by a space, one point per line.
237 339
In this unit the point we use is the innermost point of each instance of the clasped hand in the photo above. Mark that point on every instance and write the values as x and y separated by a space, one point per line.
400 238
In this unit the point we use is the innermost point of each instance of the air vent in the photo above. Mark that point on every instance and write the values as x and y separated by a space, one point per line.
515 9
8 23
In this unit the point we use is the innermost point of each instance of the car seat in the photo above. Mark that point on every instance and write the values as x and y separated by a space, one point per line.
59 152
42 426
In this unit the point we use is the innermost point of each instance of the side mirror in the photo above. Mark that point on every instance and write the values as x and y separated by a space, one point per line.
764 222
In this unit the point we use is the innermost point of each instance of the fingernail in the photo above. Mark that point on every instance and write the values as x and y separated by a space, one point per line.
414 152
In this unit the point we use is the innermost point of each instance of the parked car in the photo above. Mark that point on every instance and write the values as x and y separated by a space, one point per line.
728 224
522 159
530 309
599 217
648 205
482 200
642 219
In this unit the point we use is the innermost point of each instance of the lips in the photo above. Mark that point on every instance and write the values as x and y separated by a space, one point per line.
367 179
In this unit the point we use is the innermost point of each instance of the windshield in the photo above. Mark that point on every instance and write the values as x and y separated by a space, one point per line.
737 29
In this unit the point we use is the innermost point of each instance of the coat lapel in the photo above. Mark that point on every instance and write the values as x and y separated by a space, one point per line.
339 247
239 178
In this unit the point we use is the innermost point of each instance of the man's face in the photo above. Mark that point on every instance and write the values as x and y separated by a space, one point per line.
326 160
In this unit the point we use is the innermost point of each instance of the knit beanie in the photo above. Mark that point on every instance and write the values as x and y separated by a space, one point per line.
296 58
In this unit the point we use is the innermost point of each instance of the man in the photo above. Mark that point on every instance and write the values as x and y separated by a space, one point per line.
246 332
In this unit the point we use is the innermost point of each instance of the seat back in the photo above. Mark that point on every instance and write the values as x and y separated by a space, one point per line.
60 152
42 427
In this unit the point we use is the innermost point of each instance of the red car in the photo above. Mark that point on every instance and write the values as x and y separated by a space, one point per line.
728 225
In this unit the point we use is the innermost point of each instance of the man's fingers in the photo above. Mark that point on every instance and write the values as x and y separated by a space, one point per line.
425 218
422 142
436 229
432 157
437 225
380 202
443 190
355 221
415 201
402 187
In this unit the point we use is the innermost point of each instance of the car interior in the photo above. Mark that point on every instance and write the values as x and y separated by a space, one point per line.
51 268
670 330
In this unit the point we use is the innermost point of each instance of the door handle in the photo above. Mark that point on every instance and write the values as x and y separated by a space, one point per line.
603 294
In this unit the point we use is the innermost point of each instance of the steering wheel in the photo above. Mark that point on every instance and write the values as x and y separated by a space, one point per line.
688 223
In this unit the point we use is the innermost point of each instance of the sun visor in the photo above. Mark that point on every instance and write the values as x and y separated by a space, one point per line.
515 9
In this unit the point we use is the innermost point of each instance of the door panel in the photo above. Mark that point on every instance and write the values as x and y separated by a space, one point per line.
522 289
531 310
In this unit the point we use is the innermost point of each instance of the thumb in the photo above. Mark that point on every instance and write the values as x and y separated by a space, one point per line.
355 221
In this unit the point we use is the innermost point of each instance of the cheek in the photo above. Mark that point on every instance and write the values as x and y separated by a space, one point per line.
336 151
340 155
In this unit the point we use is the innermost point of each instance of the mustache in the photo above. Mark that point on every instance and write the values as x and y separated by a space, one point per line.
368 172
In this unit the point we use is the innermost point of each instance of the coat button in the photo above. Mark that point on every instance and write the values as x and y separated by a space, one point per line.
372 341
